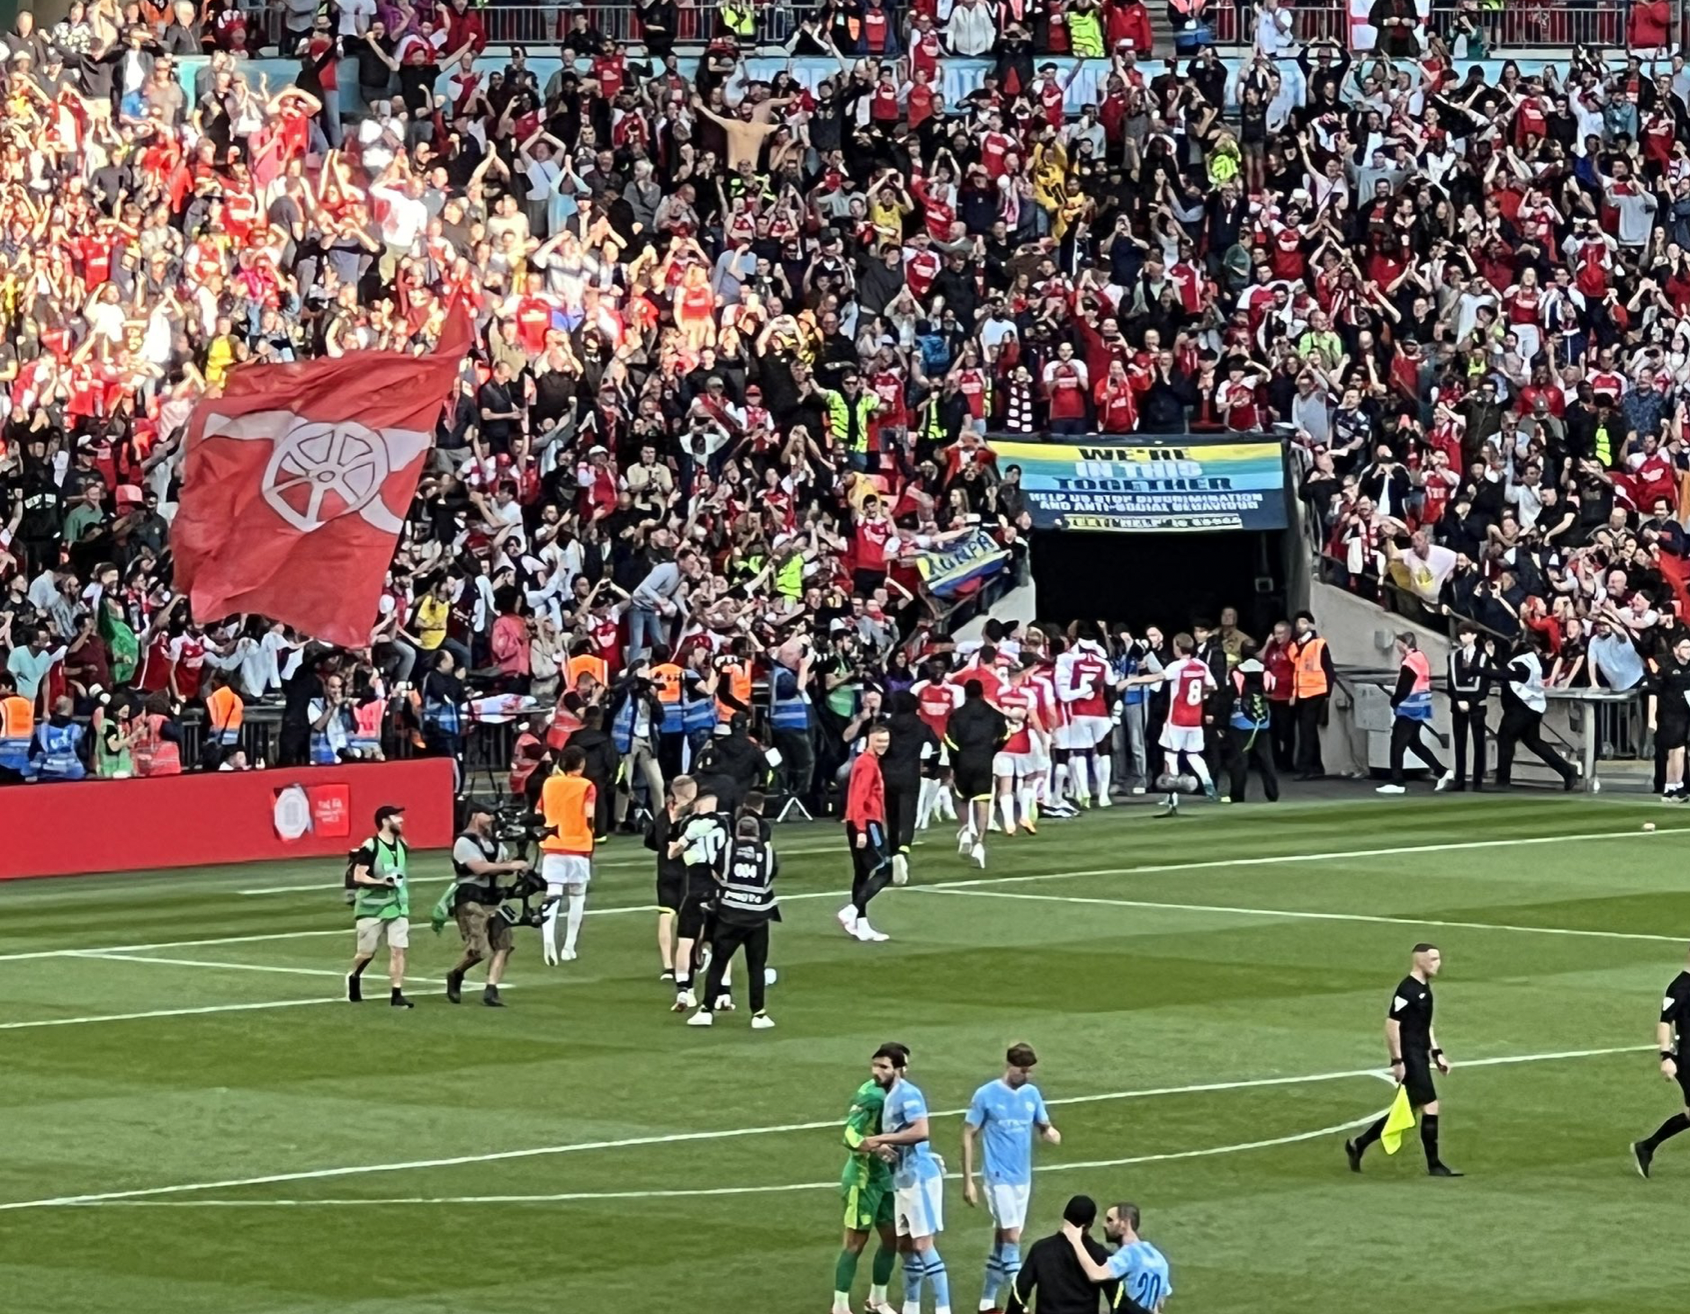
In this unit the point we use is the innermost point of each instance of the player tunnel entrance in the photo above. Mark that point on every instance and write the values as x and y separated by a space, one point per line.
1161 579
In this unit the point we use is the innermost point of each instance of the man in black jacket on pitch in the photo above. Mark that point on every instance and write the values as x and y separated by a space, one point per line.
1052 1272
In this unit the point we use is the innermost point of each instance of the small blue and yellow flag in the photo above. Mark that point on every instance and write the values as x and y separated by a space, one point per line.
1398 1122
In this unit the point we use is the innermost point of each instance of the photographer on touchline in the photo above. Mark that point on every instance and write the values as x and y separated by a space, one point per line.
478 861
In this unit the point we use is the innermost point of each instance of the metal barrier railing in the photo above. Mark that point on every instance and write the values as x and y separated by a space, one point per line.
1230 22
1595 22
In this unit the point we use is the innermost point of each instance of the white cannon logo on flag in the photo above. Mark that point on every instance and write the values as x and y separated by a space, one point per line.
319 471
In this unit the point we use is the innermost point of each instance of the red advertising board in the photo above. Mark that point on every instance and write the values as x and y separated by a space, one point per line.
216 817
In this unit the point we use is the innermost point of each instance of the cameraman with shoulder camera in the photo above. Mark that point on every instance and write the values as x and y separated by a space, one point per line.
478 860
745 906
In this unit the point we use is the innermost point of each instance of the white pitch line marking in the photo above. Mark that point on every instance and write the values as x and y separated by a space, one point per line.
237 967
163 1012
357 1170
195 962
1297 914
1158 869
621 860
696 1192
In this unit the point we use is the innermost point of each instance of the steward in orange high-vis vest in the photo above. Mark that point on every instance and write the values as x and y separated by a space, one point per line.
1313 676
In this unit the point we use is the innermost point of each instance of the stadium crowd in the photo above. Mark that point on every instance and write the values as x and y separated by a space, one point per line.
740 342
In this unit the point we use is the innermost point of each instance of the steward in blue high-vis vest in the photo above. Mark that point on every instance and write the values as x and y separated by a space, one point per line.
1411 700
59 750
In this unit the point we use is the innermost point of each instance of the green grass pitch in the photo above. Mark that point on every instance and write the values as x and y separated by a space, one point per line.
193 1125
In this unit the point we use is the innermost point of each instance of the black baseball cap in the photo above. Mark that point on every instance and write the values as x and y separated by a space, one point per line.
474 805
387 810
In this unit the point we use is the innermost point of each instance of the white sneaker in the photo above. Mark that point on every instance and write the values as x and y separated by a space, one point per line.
900 869
964 841
724 1003
1104 801
686 999
978 854
848 918
1390 789
868 935
1444 782
762 1022
701 1019
568 955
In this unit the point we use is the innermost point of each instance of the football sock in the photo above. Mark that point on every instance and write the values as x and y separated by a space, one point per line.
1006 809
885 1262
844 1273
1029 804
1370 1135
1060 788
994 1278
1200 769
1429 1138
1667 1130
577 910
940 1281
549 927
915 1266
924 802
1104 766
1079 770
1009 1255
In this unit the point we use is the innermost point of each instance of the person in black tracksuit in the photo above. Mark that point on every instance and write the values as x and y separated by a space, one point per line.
1671 685
913 742
1470 670
603 765
974 733
1217 707
665 825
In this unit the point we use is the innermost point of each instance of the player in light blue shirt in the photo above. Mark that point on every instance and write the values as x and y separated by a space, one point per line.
1140 1267
918 1186
1005 1114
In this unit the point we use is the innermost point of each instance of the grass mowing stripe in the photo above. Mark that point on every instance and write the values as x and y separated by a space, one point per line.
1299 915
675 1138
969 883
688 1193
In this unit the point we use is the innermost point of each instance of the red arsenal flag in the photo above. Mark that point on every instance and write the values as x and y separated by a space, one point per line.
297 480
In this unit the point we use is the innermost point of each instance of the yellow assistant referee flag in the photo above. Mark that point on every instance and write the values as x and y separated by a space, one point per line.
1397 1122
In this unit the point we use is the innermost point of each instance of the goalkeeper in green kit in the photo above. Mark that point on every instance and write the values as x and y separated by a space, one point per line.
866 1188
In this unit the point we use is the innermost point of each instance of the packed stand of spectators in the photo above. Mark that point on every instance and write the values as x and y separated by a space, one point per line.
740 339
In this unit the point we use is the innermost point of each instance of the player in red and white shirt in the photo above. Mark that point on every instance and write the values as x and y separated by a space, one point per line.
1016 766
936 698
1190 683
1083 678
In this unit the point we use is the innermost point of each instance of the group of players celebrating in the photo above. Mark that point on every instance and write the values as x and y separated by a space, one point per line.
1023 729
893 1187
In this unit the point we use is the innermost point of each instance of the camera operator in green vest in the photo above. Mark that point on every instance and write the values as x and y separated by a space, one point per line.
850 413
478 860
381 904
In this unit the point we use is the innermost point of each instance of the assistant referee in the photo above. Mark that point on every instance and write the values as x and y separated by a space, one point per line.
1413 1049
1669 1034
